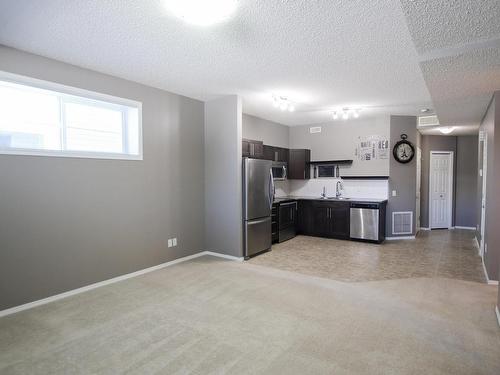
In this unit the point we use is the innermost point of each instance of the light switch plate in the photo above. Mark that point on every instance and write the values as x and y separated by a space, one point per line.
170 242
394 193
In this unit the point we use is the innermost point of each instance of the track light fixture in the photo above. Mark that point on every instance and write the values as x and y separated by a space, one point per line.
345 112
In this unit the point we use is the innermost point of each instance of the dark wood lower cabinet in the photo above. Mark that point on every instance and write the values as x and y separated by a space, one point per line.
340 217
324 219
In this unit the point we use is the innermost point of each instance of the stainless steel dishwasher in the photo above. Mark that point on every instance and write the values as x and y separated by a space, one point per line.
365 222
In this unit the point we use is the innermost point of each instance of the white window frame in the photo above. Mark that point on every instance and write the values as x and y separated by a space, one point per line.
78 95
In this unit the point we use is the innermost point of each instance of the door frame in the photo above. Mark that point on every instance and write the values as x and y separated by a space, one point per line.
418 191
451 155
484 166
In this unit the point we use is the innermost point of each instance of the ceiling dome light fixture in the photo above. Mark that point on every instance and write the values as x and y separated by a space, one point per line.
283 103
447 130
202 12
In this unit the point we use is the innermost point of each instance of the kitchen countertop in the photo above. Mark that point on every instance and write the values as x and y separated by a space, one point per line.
355 200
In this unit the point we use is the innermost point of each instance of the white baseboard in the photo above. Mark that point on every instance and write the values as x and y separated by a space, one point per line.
422 228
490 282
230 257
400 238
86 288
476 245
467 228
498 314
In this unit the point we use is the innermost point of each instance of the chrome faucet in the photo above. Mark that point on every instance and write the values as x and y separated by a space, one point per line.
323 194
338 191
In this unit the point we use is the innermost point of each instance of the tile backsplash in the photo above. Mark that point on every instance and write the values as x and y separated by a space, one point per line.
371 189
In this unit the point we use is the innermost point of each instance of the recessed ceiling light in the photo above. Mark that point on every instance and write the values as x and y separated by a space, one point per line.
447 130
202 12
425 110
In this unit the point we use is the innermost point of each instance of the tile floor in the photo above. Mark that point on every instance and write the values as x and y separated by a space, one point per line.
439 253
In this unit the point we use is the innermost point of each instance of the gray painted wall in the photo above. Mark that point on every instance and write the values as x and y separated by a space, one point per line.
271 133
338 141
496 205
466 182
464 177
491 125
491 257
403 177
434 143
69 222
223 170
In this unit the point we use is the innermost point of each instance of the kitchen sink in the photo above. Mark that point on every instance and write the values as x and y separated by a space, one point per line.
338 198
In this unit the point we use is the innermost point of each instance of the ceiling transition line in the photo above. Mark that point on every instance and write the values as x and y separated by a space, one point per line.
459 49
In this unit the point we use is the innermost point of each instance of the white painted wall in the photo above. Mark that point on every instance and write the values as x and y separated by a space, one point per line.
223 185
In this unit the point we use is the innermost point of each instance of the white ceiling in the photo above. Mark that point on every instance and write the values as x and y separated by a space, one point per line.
459 50
387 56
323 54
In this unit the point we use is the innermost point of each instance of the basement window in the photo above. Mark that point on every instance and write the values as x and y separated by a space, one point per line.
46 119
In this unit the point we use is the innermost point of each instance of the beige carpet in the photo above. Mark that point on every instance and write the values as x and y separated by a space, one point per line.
210 316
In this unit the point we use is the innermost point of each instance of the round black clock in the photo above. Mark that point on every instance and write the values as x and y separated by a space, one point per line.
403 151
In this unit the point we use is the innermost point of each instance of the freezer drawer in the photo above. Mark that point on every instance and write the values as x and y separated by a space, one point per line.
365 223
257 236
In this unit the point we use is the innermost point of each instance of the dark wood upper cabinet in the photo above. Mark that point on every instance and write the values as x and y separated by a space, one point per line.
298 164
252 149
275 153
268 152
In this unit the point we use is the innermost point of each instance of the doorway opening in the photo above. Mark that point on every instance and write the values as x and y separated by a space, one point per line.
483 157
440 189
418 188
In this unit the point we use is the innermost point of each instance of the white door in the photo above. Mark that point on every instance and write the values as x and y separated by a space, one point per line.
483 172
419 174
440 189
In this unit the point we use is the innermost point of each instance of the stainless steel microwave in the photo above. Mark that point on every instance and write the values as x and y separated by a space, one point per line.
279 170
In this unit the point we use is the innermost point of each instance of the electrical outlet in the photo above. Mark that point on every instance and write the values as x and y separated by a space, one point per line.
394 193
170 242
174 241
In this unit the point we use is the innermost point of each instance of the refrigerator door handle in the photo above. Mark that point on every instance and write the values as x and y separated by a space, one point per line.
271 189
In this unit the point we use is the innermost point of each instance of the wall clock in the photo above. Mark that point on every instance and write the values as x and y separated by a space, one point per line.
403 151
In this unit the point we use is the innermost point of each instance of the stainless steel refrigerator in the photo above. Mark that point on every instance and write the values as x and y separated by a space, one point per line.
258 196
